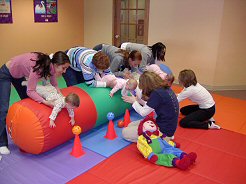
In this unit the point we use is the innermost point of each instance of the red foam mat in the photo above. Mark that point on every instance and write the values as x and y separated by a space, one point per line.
230 112
221 159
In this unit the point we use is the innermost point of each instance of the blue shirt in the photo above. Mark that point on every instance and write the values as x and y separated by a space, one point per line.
166 106
165 69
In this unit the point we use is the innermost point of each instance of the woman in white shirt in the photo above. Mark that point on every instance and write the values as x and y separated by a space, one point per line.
199 115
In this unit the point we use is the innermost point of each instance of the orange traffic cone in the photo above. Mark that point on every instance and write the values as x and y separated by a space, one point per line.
127 118
111 134
77 148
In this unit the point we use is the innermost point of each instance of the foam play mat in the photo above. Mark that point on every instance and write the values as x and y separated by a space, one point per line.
221 155
221 159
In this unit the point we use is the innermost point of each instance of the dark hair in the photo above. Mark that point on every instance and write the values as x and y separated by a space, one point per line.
187 78
134 55
42 66
125 55
60 58
150 81
158 51
101 61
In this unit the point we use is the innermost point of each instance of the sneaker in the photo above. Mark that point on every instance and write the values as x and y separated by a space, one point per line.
212 125
4 150
212 119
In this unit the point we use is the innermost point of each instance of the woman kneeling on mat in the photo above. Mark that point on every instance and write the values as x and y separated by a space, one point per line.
199 115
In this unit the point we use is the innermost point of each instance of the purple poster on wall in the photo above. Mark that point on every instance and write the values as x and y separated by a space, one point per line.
5 12
45 11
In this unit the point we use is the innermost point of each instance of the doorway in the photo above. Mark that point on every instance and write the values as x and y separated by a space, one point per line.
131 19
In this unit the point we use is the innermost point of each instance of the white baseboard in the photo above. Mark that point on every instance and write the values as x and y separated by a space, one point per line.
221 88
225 88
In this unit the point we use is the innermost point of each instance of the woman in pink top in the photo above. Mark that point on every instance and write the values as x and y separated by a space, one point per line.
34 66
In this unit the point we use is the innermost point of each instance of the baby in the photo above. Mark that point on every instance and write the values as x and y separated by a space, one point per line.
49 93
127 86
156 69
169 78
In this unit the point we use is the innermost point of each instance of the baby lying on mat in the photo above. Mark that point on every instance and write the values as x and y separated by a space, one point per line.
127 85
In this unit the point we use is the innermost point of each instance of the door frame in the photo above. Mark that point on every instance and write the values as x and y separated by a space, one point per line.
116 22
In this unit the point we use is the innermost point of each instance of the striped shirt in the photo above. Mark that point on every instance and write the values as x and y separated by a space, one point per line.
81 60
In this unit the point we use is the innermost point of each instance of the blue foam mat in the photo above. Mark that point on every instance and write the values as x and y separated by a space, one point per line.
96 142
55 166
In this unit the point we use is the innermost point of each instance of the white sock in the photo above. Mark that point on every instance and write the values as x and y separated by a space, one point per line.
213 126
24 83
0 157
211 119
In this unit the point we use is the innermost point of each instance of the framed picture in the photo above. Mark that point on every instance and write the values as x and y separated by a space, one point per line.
5 12
45 11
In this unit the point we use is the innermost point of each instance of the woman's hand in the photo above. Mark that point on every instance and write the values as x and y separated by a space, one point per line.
129 99
50 103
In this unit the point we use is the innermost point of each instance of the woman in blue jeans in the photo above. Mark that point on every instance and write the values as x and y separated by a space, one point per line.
34 66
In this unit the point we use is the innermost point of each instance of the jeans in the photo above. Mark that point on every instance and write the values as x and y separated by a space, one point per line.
5 88
73 77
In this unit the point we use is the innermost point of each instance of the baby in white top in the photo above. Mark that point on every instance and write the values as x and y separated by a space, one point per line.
70 102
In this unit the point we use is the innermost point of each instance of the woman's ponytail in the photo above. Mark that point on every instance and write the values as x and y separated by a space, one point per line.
42 66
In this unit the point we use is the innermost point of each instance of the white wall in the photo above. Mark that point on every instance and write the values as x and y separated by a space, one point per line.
98 22
206 36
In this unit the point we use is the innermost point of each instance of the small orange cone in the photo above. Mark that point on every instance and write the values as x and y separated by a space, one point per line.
111 134
151 115
127 118
77 148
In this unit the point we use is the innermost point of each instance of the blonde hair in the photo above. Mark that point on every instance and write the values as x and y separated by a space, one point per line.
150 81
133 82
73 99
